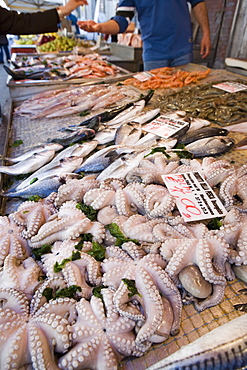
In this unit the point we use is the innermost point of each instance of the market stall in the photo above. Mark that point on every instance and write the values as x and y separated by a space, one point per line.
146 277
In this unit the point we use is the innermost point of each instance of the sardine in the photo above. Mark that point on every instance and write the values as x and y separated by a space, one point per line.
82 133
202 133
42 187
223 348
30 164
37 149
65 165
210 146
121 166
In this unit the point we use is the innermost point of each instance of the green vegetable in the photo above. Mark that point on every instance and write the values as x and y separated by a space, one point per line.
33 180
214 224
161 149
97 291
115 231
34 198
48 294
88 211
16 143
59 266
84 238
69 292
38 252
131 287
97 251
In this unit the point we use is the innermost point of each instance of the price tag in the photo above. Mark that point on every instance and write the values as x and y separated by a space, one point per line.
195 199
143 76
231 87
164 126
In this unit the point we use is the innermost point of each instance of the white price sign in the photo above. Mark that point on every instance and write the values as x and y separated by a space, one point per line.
164 126
231 87
143 76
195 199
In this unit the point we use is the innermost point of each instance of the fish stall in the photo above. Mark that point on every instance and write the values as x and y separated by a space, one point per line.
29 74
123 240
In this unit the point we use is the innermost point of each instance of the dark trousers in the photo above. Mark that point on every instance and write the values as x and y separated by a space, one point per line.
4 48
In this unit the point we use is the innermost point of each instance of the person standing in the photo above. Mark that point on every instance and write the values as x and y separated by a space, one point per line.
165 27
4 48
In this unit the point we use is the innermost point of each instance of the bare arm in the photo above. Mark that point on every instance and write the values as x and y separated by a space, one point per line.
110 27
201 15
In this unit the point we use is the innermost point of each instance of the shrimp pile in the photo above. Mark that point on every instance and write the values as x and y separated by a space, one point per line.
167 77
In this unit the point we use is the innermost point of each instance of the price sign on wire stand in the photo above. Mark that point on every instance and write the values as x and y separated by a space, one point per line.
164 126
195 199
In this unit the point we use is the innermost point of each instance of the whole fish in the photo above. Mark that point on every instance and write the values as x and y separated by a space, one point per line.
223 348
42 187
127 114
210 146
238 127
242 144
37 149
100 159
128 133
30 164
201 133
65 165
82 133
121 166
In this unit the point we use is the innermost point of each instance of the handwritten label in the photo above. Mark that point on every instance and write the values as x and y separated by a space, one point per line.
195 199
143 76
231 87
164 126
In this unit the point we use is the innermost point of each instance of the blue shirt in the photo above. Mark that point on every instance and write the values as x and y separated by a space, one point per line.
165 26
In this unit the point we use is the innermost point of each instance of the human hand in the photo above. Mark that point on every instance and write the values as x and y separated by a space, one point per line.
205 46
90 26
71 5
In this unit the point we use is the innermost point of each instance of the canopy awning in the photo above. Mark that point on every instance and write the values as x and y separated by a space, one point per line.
32 5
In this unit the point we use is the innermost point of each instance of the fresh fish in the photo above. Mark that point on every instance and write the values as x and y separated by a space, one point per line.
65 165
121 166
242 144
42 187
100 159
105 136
128 114
201 133
238 127
210 146
128 133
37 149
223 348
30 164
82 133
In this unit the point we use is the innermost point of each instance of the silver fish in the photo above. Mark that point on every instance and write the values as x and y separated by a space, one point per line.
83 133
121 166
210 146
30 164
223 348
42 187
128 114
100 159
106 135
238 127
202 133
65 165
37 149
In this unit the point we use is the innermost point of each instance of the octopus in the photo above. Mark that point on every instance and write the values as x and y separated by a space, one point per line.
151 171
213 170
233 230
11 239
151 282
234 187
68 223
32 336
83 272
32 215
209 255
20 276
158 201
100 336
75 189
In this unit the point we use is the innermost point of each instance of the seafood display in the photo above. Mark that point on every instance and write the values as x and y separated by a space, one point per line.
69 67
167 77
97 266
208 102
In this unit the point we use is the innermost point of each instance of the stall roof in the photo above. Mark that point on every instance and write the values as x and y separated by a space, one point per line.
32 5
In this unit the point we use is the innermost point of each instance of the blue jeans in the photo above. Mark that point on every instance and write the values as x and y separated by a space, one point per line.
179 61
4 48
